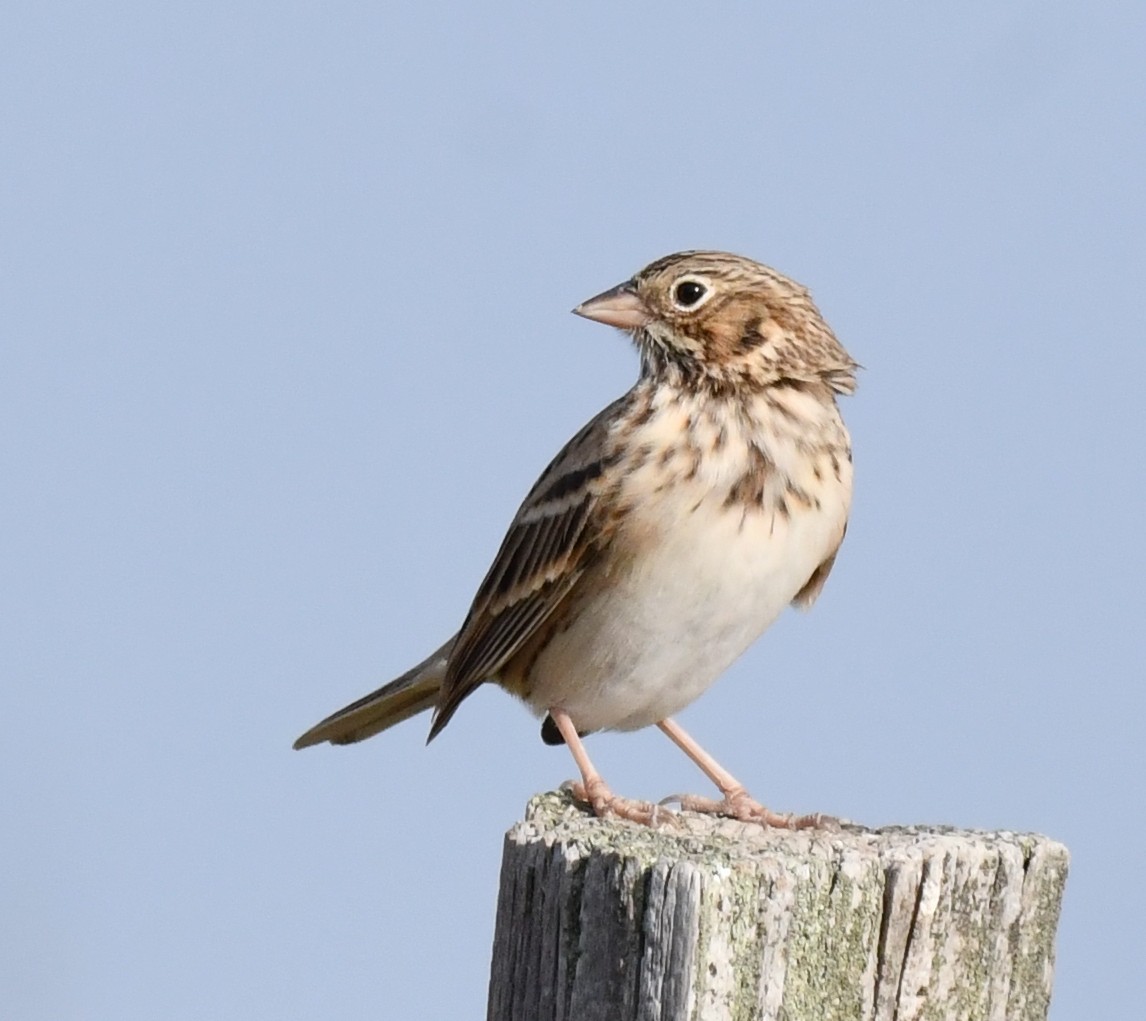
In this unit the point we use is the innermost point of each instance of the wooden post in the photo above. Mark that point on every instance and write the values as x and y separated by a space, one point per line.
713 919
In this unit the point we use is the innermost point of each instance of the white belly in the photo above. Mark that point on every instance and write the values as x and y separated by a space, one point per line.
703 584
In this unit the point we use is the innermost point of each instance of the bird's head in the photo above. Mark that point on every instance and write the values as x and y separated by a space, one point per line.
722 322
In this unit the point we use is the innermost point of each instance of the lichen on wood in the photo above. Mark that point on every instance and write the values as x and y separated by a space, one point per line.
711 918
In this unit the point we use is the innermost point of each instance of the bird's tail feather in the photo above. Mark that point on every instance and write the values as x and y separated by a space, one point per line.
414 692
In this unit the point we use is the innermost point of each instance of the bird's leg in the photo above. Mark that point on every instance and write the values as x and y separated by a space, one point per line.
593 790
737 802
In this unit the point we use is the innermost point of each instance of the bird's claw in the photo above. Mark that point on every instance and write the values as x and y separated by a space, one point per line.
740 805
605 804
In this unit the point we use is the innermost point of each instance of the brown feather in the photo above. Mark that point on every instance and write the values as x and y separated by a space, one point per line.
557 530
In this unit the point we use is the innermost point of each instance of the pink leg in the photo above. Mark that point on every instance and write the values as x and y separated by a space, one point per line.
593 789
736 801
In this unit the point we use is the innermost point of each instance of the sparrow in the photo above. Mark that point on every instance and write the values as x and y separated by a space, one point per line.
666 536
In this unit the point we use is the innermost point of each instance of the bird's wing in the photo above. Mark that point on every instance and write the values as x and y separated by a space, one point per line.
560 527
804 599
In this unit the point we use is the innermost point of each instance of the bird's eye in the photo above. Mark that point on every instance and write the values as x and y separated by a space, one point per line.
688 293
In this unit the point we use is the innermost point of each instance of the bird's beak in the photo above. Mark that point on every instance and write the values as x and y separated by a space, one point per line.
620 307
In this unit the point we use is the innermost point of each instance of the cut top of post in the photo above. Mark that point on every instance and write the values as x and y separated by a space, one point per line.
709 918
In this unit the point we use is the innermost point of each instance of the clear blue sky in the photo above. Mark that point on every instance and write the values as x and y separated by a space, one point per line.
285 339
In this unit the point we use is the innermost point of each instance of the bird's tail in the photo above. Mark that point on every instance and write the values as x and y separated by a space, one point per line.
414 692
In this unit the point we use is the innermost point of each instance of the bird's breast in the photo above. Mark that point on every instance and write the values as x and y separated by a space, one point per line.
716 534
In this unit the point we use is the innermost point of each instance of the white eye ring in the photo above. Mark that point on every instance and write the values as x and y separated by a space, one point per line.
699 289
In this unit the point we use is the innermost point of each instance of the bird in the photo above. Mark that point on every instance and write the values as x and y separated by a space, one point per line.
666 536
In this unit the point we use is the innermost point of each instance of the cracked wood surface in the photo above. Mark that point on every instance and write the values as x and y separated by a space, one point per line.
713 919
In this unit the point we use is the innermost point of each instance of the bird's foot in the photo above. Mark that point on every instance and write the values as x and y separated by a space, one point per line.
739 804
607 805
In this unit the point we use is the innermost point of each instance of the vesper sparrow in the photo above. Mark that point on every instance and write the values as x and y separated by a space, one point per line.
667 535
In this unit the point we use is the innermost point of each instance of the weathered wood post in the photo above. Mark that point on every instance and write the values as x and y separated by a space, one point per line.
715 919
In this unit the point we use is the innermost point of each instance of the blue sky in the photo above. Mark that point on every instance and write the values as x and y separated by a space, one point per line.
284 319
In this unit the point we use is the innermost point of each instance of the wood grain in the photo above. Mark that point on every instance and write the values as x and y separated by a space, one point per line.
710 919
